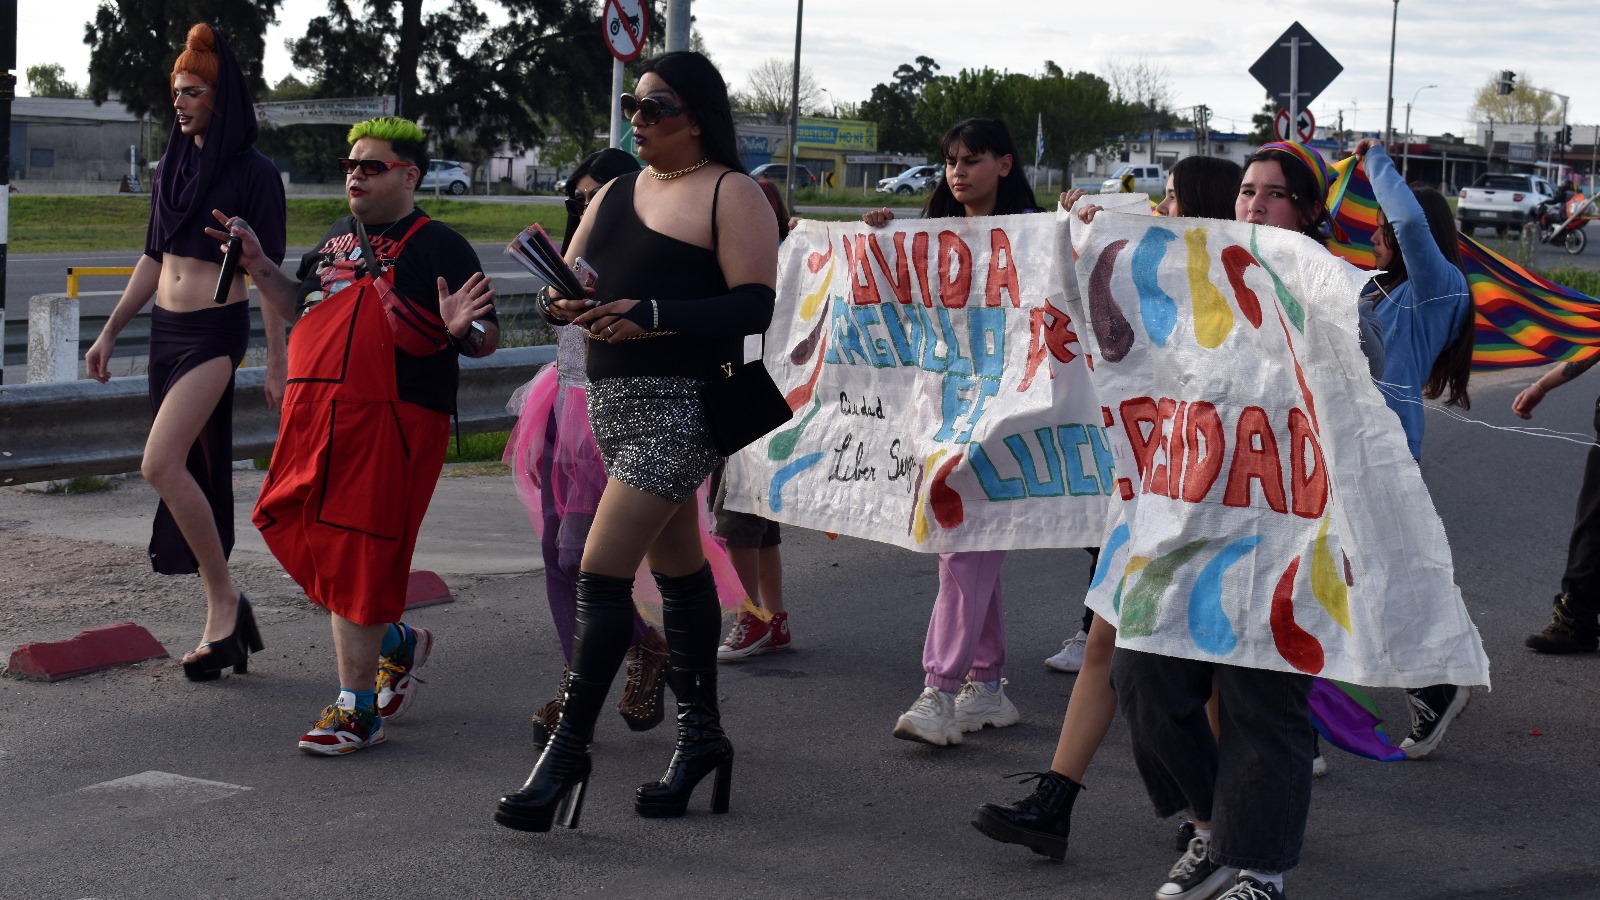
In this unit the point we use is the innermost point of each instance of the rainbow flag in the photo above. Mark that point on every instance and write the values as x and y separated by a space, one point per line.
1522 319
1347 719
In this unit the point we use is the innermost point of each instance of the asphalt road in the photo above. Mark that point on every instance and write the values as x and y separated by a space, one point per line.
135 783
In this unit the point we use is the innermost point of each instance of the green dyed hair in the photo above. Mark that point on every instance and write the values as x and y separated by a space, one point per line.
407 138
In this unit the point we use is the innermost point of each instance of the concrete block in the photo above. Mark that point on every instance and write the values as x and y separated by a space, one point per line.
426 589
90 651
52 339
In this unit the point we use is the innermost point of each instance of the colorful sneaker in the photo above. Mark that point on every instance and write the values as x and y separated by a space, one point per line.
752 637
341 731
1196 877
977 706
1247 888
1070 657
1432 711
931 720
397 679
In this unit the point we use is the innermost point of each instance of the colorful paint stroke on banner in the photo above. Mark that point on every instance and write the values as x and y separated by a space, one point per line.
1522 319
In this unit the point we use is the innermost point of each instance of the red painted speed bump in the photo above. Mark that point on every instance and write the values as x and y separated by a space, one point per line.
90 651
425 588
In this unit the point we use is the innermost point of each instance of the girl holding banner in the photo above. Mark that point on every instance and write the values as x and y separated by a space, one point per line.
964 653
1254 782
1200 187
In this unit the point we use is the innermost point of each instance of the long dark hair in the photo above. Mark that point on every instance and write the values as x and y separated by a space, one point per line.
1308 197
1452 368
1206 186
775 200
602 166
983 136
705 95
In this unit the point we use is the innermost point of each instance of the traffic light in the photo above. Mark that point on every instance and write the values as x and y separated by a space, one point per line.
1506 83
1566 136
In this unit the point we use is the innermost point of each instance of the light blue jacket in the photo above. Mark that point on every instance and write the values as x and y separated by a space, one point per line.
1423 314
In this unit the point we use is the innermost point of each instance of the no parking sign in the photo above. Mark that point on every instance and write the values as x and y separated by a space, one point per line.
626 23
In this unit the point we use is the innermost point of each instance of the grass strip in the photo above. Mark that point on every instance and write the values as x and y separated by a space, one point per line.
76 224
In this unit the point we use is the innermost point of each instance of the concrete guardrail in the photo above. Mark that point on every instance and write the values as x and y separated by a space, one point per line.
68 429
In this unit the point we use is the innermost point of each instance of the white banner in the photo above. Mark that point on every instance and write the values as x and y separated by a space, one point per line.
941 397
1268 513
340 111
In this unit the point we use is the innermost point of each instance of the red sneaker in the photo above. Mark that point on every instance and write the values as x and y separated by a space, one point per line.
751 637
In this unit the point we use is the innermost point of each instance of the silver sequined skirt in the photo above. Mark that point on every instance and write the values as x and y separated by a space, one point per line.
652 433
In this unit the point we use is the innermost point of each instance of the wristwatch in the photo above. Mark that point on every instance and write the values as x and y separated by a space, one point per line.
472 341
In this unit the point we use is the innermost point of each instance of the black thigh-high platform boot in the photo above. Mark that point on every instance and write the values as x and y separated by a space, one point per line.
600 639
692 619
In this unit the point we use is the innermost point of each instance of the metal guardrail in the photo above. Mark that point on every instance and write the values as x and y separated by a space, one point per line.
51 431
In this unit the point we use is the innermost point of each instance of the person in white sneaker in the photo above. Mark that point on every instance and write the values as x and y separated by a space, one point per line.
1069 658
966 633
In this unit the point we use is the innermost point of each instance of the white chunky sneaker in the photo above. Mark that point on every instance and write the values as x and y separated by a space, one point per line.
931 720
977 706
1070 657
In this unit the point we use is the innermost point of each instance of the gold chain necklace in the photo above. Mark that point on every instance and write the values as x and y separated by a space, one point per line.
668 176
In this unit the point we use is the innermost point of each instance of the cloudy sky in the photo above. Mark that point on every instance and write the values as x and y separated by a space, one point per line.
1204 45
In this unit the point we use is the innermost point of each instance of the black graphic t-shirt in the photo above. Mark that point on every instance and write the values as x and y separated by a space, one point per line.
435 251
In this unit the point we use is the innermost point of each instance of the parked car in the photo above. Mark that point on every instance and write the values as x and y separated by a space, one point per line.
780 172
447 175
1148 178
1501 200
912 181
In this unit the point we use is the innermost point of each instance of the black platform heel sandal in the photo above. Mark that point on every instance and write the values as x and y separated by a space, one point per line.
233 650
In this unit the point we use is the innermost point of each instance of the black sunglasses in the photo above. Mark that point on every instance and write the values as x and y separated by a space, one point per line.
652 109
579 202
371 167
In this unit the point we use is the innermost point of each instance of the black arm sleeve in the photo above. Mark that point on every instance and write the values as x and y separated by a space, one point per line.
746 309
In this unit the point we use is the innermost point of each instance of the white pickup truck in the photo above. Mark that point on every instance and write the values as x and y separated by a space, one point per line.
1501 200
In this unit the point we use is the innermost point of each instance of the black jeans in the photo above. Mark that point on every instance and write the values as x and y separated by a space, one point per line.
1582 578
1254 787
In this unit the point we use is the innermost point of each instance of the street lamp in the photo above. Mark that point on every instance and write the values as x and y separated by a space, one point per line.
1405 167
1388 117
832 101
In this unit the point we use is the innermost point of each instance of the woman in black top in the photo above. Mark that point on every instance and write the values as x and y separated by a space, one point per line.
686 253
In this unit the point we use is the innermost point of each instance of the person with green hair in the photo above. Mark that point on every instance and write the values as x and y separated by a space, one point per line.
386 303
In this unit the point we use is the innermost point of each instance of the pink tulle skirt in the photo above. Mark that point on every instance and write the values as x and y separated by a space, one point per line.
578 478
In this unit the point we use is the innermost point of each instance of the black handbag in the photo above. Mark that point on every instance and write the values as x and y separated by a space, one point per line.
744 406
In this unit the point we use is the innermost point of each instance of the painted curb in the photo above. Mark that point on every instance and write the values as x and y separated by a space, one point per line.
91 650
426 588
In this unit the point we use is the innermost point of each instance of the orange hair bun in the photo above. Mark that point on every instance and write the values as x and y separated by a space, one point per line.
199 56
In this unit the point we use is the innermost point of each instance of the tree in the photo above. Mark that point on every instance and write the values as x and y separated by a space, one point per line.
1262 130
771 85
133 44
541 72
49 80
894 107
1076 109
1523 106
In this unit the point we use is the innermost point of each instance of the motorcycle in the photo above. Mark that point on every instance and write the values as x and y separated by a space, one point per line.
1554 224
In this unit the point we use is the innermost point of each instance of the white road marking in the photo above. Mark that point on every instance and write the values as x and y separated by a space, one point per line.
198 790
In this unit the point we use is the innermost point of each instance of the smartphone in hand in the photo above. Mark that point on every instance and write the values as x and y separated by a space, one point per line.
587 276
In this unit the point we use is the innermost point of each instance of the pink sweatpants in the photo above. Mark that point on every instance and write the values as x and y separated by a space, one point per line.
966 634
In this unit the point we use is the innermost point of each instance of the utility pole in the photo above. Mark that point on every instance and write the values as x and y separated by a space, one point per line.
677 31
8 90
1388 117
794 107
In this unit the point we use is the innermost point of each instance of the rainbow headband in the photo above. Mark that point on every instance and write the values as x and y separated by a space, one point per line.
1308 157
